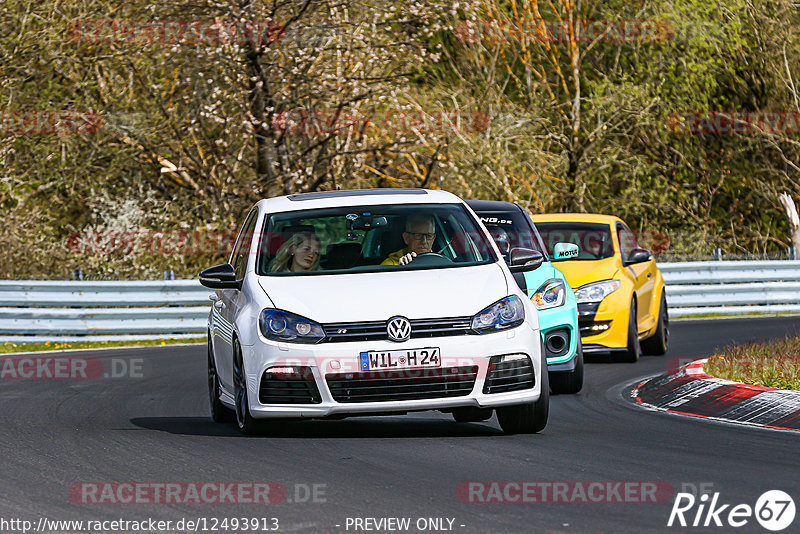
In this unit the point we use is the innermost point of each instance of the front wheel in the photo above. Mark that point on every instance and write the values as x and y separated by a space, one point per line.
634 350
219 412
527 418
658 344
568 382
247 425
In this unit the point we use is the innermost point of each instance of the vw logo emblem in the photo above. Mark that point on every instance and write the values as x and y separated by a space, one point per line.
399 329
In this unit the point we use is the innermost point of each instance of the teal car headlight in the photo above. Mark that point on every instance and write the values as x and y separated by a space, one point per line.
503 314
279 325
551 294
596 291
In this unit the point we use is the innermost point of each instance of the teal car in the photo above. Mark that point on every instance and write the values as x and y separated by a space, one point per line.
511 226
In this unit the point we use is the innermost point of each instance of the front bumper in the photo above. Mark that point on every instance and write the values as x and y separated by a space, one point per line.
602 328
341 358
562 320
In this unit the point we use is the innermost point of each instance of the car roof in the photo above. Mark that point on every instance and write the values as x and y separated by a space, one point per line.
576 217
492 205
356 197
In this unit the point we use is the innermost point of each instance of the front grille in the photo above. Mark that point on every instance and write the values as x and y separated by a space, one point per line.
376 330
407 384
510 375
296 388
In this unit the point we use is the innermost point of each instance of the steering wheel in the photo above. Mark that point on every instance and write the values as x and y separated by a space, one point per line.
429 259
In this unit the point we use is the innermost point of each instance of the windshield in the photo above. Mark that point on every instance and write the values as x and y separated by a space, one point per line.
371 238
510 229
593 239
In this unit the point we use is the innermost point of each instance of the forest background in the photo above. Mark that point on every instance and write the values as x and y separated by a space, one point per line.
134 136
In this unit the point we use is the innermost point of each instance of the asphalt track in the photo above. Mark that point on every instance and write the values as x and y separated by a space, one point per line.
156 428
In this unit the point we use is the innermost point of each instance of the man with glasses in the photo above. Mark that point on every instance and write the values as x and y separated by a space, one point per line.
418 237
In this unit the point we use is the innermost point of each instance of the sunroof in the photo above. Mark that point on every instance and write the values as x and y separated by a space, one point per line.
355 193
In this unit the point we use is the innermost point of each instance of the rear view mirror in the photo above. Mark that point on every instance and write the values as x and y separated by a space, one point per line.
220 277
354 222
524 259
565 251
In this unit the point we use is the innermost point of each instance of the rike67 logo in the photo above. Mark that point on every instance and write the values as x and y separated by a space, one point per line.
774 510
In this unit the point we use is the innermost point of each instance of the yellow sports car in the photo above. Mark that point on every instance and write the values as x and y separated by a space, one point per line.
622 305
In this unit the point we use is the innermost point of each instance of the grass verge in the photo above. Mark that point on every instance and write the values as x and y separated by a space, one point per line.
774 364
6 348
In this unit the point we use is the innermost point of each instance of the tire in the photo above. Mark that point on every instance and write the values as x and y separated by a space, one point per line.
634 350
247 425
658 343
569 382
472 415
527 418
219 412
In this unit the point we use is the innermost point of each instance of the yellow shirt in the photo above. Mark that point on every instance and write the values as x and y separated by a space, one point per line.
394 258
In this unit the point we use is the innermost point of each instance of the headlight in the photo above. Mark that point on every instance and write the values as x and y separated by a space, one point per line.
284 326
550 295
596 291
503 314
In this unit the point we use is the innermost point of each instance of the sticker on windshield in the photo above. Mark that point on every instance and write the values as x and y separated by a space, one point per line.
495 220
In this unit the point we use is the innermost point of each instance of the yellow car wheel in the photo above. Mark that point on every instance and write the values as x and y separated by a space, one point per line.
634 349
657 344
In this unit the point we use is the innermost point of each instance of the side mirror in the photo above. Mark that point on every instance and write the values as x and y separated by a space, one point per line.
220 277
565 251
523 260
638 255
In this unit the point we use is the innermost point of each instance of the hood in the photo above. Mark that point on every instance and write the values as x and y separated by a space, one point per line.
582 272
423 294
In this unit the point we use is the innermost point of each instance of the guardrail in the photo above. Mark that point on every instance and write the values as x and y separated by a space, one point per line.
732 287
39 311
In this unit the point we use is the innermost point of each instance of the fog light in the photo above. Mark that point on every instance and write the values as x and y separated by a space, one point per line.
282 370
511 358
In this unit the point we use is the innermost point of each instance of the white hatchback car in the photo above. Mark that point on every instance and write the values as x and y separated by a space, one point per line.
313 316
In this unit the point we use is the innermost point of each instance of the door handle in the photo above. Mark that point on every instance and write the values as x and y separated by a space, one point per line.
649 275
219 305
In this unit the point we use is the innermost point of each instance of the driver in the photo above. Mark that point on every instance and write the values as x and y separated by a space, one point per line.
418 237
594 245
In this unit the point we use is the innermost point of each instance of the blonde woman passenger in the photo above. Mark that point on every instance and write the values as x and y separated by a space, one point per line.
300 253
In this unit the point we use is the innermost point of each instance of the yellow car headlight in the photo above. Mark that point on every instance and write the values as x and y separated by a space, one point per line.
596 291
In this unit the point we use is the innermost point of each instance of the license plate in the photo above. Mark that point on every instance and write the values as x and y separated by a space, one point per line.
400 359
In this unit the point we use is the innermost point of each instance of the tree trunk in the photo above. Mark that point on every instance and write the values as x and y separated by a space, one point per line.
794 221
